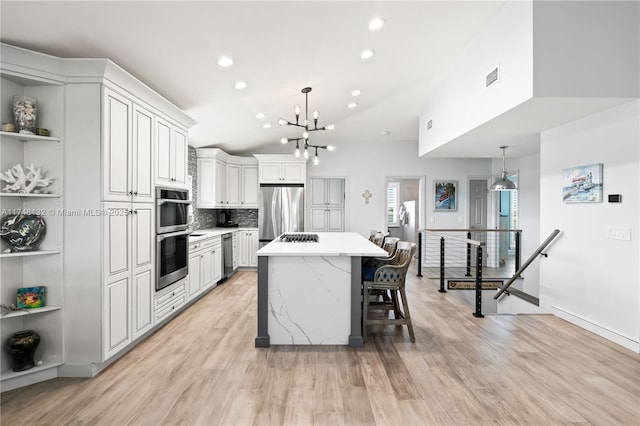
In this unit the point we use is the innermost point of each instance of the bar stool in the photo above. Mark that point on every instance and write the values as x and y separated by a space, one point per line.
390 278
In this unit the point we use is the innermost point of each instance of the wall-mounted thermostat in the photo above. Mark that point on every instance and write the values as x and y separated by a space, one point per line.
615 198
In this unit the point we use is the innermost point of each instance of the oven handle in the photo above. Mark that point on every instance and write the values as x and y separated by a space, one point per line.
172 234
173 201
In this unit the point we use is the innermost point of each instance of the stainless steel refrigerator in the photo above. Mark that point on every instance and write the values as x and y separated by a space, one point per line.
281 209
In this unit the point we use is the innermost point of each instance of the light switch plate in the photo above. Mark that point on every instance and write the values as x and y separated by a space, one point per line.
619 233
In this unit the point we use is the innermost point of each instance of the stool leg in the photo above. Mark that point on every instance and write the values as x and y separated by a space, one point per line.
407 315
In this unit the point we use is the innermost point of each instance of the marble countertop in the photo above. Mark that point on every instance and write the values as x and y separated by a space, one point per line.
201 234
329 244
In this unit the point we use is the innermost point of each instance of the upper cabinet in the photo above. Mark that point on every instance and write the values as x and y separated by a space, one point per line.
171 154
127 144
226 181
281 169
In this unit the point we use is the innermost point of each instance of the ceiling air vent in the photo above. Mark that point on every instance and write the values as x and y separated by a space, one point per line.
429 124
492 77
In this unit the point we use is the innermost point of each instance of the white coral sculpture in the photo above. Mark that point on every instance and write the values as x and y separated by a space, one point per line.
25 183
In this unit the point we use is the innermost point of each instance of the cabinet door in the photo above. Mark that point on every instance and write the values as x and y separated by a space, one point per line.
142 144
217 265
142 302
243 243
335 220
116 323
253 248
195 278
163 151
270 173
293 172
233 185
144 235
207 268
206 183
117 232
117 147
318 220
334 192
179 157
236 250
318 193
250 186
221 172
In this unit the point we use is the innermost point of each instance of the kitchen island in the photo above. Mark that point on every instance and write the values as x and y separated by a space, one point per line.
309 293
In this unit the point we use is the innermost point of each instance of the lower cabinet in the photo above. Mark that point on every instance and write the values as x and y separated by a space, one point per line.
169 300
236 253
327 220
205 265
248 246
128 283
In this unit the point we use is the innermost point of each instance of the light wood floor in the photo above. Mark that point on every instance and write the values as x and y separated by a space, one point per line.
203 369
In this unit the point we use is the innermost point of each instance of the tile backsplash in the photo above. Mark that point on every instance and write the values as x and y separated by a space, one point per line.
208 218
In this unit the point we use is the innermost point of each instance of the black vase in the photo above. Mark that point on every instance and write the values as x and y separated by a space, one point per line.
22 346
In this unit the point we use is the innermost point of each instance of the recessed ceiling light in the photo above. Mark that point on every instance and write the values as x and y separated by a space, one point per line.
366 54
376 24
240 85
266 125
259 116
355 93
352 105
386 133
225 61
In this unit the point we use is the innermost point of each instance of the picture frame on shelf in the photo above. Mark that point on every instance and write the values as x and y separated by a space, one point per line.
30 297
445 195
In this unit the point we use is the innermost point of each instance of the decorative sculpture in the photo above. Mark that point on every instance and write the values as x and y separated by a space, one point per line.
25 183
366 194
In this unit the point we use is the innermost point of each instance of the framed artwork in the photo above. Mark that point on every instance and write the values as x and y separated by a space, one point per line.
446 195
582 184
30 297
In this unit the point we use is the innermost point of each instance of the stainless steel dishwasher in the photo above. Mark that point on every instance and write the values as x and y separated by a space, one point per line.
227 255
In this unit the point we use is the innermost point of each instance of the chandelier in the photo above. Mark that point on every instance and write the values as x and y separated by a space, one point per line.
305 124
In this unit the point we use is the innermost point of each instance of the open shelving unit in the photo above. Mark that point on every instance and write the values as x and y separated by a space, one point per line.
42 267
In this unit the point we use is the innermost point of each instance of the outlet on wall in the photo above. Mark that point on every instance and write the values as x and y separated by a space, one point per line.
619 233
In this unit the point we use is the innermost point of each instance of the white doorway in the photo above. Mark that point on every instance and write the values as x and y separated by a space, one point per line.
405 207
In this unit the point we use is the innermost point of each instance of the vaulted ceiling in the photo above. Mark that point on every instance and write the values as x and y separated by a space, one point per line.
277 49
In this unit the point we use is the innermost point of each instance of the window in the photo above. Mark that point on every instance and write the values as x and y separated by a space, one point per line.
393 196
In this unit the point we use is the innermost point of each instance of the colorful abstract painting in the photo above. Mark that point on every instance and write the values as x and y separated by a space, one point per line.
30 297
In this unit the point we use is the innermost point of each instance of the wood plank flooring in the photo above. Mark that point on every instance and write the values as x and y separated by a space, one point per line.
203 369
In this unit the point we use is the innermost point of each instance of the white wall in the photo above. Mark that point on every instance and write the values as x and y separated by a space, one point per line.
368 164
464 102
589 279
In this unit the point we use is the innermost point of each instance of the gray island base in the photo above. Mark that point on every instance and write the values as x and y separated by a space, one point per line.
310 293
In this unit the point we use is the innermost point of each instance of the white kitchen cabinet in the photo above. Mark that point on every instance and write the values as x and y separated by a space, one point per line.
250 186
327 220
171 154
127 143
128 249
327 205
205 265
248 246
282 172
236 252
226 181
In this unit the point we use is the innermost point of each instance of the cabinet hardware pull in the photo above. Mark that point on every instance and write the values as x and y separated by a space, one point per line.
130 192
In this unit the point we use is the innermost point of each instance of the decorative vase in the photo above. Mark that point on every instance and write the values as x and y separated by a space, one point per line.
25 111
22 346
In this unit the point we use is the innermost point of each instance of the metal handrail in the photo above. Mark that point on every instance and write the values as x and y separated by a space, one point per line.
528 262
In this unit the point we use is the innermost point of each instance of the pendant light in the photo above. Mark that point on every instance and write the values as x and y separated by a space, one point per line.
502 183
307 130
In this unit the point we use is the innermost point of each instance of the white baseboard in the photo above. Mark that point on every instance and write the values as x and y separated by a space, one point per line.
633 344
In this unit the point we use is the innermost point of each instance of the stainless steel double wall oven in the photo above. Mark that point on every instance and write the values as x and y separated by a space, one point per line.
172 251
